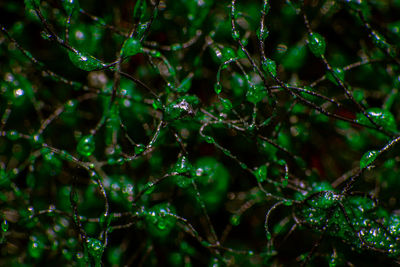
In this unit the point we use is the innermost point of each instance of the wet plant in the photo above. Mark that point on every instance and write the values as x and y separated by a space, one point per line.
195 133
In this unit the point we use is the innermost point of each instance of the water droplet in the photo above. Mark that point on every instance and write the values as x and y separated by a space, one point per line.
209 139
181 107
4 225
85 61
269 66
86 146
228 53
261 173
155 53
182 165
131 47
12 135
368 158
235 35
185 85
235 220
381 117
159 220
379 40
35 247
95 248
317 44
256 93
139 148
176 47
217 88
268 235
70 6
339 73
262 34
226 103
157 104
266 7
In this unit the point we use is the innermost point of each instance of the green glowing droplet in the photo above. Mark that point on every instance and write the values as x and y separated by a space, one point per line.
85 61
381 117
243 165
379 40
70 6
217 88
157 104
86 146
324 201
182 107
185 85
139 148
35 248
228 53
288 203
131 47
209 139
46 36
235 35
368 158
182 165
95 248
262 34
317 44
269 66
268 235
339 73
235 220
226 103
4 225
266 7
155 53
12 135
256 93
159 219
261 173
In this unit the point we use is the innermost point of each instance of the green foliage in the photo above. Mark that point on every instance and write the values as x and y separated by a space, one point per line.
185 133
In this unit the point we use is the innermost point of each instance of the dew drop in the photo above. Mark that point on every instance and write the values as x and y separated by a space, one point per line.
139 148
70 5
256 93
4 225
261 173
95 248
86 146
262 34
381 117
235 220
339 73
368 158
131 47
217 88
317 44
85 61
269 66
226 103
35 248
